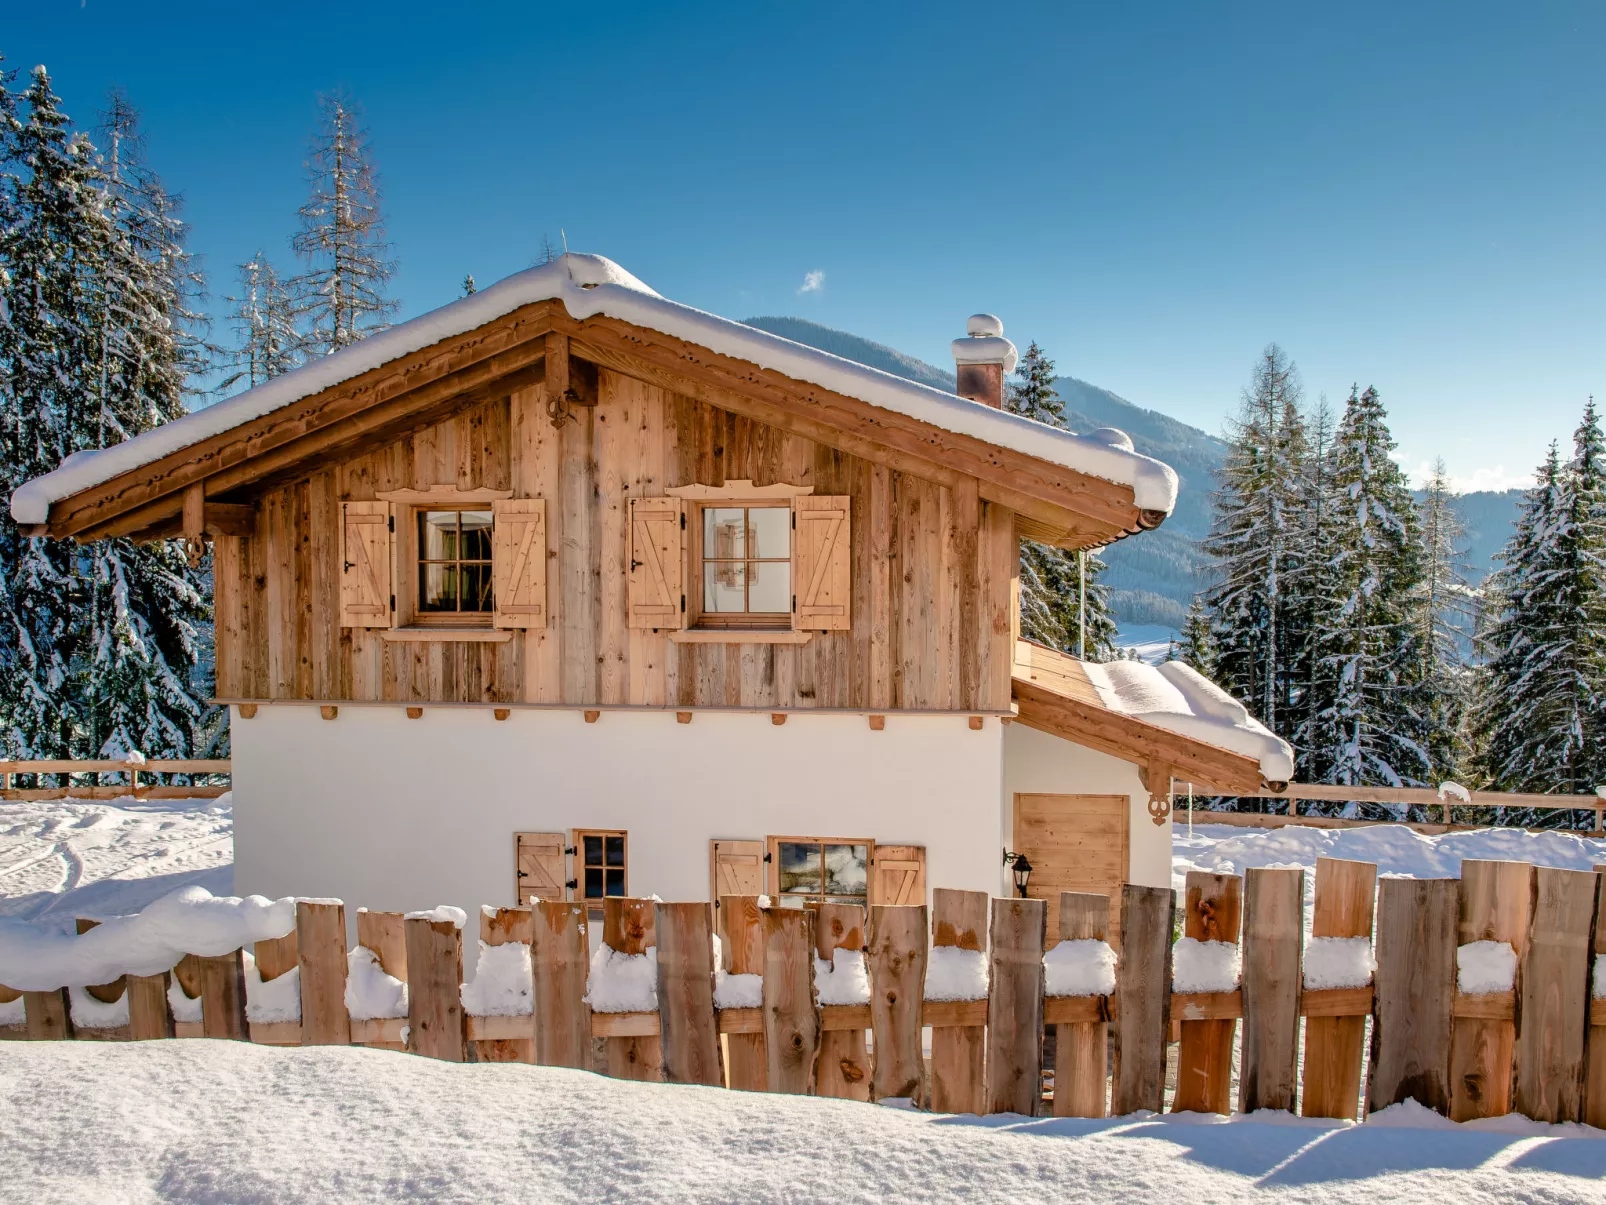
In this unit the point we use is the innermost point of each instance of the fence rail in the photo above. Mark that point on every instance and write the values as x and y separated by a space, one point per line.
1535 1043
1297 792
131 771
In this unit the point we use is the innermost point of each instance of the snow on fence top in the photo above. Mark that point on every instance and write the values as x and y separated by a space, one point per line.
1174 697
589 286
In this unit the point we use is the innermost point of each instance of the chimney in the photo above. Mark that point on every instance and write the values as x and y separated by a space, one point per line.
983 359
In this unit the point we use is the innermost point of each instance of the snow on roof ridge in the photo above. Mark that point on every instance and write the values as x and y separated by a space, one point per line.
1178 698
588 286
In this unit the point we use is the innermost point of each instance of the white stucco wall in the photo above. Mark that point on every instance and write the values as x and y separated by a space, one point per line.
1035 762
391 813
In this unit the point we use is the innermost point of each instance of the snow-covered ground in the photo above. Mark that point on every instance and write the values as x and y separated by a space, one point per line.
1151 641
199 1121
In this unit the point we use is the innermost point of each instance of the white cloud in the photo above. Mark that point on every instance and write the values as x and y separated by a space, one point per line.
1488 477
813 282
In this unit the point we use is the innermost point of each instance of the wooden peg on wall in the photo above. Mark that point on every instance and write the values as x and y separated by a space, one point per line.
328 711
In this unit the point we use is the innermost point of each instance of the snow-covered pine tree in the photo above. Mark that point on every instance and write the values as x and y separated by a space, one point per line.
341 295
1196 649
1313 602
1372 730
1254 540
1445 615
1055 583
469 287
264 326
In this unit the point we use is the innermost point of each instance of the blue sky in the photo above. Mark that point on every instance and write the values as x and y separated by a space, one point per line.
1412 196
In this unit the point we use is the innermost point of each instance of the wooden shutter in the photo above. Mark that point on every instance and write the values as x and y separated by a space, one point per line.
541 868
821 564
365 578
657 591
898 874
736 868
518 562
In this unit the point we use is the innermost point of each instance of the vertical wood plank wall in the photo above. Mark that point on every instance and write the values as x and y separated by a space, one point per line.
933 572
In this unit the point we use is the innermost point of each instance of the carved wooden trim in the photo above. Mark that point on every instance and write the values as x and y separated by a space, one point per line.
446 495
738 491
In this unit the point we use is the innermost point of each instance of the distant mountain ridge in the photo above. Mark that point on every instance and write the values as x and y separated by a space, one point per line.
1153 577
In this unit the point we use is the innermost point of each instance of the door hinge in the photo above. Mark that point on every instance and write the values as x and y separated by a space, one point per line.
682 604
572 884
522 875
794 520
571 850
794 604
392 602
768 858
390 523
682 520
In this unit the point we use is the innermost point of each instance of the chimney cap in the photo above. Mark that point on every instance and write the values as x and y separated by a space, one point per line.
984 324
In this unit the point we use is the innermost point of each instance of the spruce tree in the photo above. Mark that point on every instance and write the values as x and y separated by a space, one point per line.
1197 648
1444 616
469 287
1314 602
342 294
264 327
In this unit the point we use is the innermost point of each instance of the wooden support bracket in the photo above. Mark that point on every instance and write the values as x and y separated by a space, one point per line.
777 718
415 713
501 713
682 717
878 723
248 711
328 711
593 716
975 723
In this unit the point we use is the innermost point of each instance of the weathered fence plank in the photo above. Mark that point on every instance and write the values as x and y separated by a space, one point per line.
1346 894
1416 932
223 997
1213 909
48 1015
500 927
958 1052
150 1017
1496 902
190 982
689 1033
1143 999
627 927
1553 996
1274 905
1081 1048
1015 1007
435 1021
560 958
385 934
741 939
897 964
1595 1088
321 954
791 1016
843 1069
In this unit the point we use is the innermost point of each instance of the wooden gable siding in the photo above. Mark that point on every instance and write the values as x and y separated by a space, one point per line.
933 568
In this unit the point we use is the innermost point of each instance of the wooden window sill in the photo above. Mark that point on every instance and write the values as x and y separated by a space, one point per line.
739 636
447 635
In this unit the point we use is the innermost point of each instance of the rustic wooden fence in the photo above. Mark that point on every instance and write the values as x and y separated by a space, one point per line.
1479 809
141 777
1538 1048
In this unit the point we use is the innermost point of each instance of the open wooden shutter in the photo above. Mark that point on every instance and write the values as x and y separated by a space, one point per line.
736 868
541 869
898 874
657 596
821 564
518 562
365 581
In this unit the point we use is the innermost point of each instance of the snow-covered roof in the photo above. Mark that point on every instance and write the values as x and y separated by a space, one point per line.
588 286
1177 698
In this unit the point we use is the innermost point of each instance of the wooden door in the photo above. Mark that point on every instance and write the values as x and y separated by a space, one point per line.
1074 843
541 868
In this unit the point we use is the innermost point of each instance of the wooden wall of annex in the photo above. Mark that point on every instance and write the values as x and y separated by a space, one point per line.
933 572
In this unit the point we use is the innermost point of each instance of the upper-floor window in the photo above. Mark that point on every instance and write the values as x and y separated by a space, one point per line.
454 563
746 565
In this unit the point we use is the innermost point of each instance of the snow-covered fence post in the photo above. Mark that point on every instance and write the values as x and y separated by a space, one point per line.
559 958
223 997
436 1028
741 940
1015 1007
1081 1047
321 955
150 1016
384 936
791 1016
628 927
1416 931
1346 894
184 997
1273 941
1495 901
100 993
844 1065
1212 912
1553 1009
897 965
49 1015
276 957
515 1035
1143 999
689 1031
958 1052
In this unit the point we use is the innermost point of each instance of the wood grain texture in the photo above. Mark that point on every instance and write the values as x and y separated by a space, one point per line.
1078 843
504 926
690 1037
791 1015
1553 996
1345 898
560 959
843 1069
223 997
741 934
628 926
1416 943
1595 1084
436 1027
1081 1048
1213 908
1274 904
1496 905
321 953
1017 938
1143 999
48 1015
150 1016
897 966
958 1079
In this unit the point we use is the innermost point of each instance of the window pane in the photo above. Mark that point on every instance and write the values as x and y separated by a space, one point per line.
616 850
847 869
616 882
791 901
476 535
769 587
593 883
437 534
771 528
724 587
800 867
593 851
437 588
476 587
724 532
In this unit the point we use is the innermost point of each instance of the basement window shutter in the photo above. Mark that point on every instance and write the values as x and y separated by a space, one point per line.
365 575
737 868
540 868
518 562
656 584
898 875
822 551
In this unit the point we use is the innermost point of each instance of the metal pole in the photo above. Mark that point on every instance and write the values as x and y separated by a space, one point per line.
1081 604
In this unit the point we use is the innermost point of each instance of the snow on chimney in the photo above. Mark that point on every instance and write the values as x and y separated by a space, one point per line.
983 359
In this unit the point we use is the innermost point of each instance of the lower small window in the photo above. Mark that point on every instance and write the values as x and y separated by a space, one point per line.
603 864
816 870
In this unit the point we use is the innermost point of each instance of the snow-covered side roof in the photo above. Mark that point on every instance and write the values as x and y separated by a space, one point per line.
588 286
1177 698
